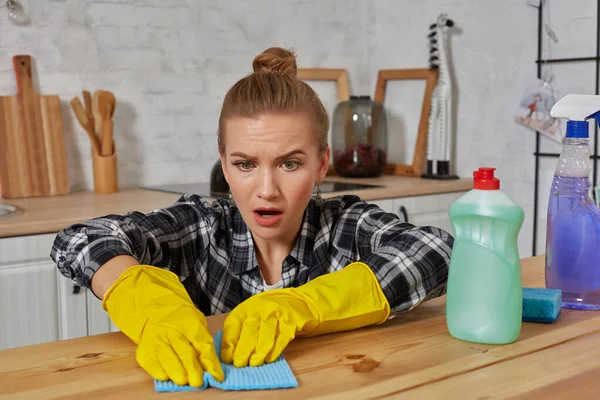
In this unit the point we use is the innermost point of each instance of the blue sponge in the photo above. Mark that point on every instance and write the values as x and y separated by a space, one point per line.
541 305
274 375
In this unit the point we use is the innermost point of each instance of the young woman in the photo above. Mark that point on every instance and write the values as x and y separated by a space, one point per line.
281 263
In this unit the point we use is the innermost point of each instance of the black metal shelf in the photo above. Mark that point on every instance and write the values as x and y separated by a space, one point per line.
540 61
593 156
561 60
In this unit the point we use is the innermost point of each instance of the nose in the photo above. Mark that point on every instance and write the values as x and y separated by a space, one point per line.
269 187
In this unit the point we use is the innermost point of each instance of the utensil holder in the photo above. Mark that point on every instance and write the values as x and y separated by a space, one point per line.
105 172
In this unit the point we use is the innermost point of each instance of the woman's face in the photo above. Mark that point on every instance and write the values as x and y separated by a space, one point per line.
272 164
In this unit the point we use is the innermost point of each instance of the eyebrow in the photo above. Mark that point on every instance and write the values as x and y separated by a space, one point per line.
280 158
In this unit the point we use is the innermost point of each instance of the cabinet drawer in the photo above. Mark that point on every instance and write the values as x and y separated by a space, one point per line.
426 204
386 205
21 249
439 220
427 210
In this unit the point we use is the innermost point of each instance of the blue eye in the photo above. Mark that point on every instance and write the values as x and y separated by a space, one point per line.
291 165
243 165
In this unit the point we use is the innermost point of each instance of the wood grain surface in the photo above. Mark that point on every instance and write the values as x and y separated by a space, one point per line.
51 214
410 356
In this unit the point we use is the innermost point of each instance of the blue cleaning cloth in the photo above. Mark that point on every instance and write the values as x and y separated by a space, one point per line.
275 375
541 305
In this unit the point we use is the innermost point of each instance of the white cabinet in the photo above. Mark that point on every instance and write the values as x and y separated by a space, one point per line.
386 205
422 210
37 304
428 210
28 304
98 319
72 312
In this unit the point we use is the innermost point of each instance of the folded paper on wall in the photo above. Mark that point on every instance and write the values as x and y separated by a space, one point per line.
534 109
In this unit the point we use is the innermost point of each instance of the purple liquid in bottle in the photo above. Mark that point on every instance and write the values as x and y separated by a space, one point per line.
573 243
573 226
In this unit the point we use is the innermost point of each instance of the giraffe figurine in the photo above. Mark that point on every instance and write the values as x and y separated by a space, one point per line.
440 135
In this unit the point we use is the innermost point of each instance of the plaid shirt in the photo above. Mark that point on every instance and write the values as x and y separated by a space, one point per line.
211 249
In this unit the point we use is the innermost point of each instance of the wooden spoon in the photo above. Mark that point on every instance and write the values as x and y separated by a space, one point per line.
86 120
106 107
110 98
96 113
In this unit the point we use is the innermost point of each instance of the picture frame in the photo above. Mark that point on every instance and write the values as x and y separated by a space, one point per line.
337 75
430 75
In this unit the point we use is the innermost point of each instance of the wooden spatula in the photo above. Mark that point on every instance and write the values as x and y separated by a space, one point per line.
106 108
86 120
87 100
96 114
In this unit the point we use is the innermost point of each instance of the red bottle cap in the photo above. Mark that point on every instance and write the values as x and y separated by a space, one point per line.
483 179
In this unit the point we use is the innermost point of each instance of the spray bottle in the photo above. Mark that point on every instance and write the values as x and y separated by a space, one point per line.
573 223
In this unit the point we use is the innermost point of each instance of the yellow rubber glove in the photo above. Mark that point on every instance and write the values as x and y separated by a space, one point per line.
259 329
151 306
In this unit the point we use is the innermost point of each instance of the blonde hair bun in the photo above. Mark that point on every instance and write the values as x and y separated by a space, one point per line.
276 59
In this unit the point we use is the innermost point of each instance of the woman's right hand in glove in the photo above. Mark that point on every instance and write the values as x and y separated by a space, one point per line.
151 307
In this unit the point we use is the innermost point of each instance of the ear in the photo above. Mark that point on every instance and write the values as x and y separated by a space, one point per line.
324 164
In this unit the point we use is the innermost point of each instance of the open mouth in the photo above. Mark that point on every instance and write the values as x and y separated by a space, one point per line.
267 216
268 213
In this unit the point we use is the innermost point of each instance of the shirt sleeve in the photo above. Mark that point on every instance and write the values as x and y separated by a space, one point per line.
410 262
168 238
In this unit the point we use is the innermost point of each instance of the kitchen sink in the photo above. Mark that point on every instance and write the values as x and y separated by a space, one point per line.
8 211
203 188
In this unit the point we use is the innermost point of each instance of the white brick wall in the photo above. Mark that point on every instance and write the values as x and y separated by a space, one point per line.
494 51
170 63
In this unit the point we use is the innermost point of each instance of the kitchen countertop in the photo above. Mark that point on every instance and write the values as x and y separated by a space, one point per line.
51 214
411 355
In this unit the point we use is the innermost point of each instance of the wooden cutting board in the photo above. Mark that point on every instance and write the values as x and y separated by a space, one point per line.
33 160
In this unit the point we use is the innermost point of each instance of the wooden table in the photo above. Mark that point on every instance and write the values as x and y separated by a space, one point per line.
411 356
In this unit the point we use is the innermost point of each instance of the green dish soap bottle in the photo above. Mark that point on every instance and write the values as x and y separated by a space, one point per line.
484 294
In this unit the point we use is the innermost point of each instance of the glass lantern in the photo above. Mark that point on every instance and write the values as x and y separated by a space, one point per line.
359 138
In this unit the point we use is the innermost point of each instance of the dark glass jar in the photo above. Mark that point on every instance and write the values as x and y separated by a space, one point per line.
359 137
